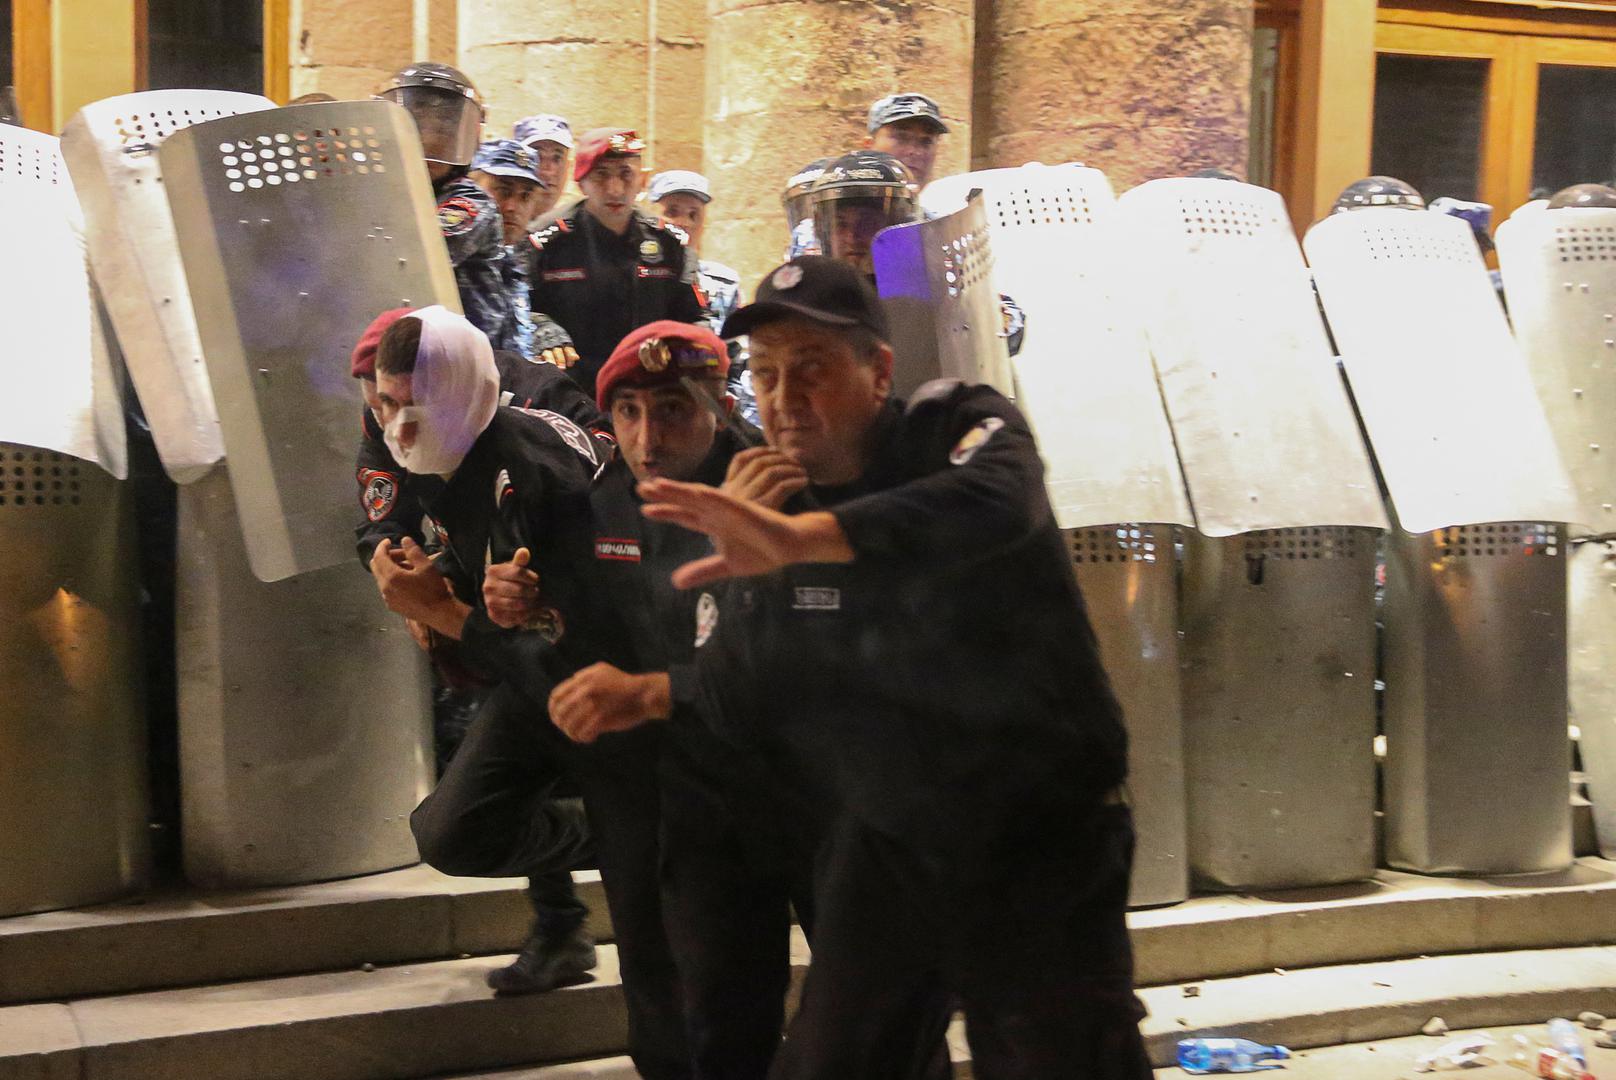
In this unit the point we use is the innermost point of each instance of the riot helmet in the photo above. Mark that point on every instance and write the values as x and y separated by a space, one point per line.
857 196
447 109
1217 174
798 188
1581 196
1378 191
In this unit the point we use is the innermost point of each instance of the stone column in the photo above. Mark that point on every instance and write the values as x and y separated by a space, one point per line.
347 48
791 80
1139 88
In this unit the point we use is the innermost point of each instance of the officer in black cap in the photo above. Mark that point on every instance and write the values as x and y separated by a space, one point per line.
448 113
912 633
603 268
908 126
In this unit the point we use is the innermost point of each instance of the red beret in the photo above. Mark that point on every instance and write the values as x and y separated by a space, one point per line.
604 142
658 354
362 362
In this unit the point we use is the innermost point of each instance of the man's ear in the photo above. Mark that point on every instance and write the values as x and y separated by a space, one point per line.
883 370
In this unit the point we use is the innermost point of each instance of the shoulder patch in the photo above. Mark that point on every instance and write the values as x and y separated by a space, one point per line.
457 213
706 618
378 493
974 440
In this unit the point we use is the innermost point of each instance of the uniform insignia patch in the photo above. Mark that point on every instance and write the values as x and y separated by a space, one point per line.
650 251
974 440
807 598
380 492
787 277
706 618
573 274
549 624
456 212
610 547
655 272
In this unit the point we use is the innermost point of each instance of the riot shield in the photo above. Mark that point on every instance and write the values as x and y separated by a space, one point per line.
937 283
111 149
1444 394
1592 628
1265 431
62 391
1474 656
305 723
1083 373
1560 275
297 227
1085 382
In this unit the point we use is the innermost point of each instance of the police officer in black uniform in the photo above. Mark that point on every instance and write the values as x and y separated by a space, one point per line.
912 636
604 268
391 503
449 114
517 486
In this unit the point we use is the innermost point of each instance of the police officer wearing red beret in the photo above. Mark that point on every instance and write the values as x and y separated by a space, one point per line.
603 268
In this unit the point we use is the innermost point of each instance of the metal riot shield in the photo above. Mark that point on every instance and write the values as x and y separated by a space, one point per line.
1265 431
1560 274
1474 659
62 393
298 226
1592 628
111 149
73 805
305 732
1086 384
1278 646
936 281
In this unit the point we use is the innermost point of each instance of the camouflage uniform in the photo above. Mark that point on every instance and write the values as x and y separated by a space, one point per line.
475 235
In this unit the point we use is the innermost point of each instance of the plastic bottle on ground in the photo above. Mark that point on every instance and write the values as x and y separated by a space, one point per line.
1200 1056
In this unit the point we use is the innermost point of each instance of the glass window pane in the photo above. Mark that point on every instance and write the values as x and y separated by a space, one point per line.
1576 126
1428 117
1264 91
6 77
205 45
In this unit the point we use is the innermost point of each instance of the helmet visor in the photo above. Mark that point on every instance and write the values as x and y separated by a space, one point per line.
847 219
450 124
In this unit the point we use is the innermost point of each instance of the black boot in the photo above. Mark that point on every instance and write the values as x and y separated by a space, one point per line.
547 961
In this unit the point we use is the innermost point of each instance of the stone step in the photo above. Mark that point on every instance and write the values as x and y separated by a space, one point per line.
389 1023
417 914
185 939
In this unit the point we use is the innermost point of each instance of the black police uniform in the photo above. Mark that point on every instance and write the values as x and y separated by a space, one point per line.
475 234
729 867
525 483
599 286
942 700
390 498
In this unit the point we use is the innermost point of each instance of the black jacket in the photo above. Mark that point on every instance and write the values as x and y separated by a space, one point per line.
599 286
390 498
949 674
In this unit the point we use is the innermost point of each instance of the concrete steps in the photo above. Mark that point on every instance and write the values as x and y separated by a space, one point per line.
270 983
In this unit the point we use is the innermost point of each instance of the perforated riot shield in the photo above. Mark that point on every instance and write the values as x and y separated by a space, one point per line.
1560 275
298 226
62 393
1086 384
1475 655
1592 604
305 723
1442 388
111 149
1265 432
936 280
1278 593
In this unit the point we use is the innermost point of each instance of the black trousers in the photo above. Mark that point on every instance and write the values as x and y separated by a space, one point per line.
492 815
1025 933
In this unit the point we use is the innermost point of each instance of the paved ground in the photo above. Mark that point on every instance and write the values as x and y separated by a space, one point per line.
1393 1059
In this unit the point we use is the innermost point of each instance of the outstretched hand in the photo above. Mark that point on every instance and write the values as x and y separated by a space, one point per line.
511 591
413 587
748 538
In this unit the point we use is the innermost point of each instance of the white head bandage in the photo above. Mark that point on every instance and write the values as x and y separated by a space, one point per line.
455 390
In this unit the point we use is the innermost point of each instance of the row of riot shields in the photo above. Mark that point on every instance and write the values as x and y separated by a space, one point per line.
235 252
1263 532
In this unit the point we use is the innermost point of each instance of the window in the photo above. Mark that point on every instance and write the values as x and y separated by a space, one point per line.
7 78
1575 141
205 44
1428 123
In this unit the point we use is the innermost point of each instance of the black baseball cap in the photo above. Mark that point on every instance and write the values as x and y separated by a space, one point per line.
812 287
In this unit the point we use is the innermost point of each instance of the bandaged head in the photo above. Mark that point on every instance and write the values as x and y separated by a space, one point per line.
454 391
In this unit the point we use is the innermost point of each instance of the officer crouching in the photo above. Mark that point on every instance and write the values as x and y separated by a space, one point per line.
910 633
